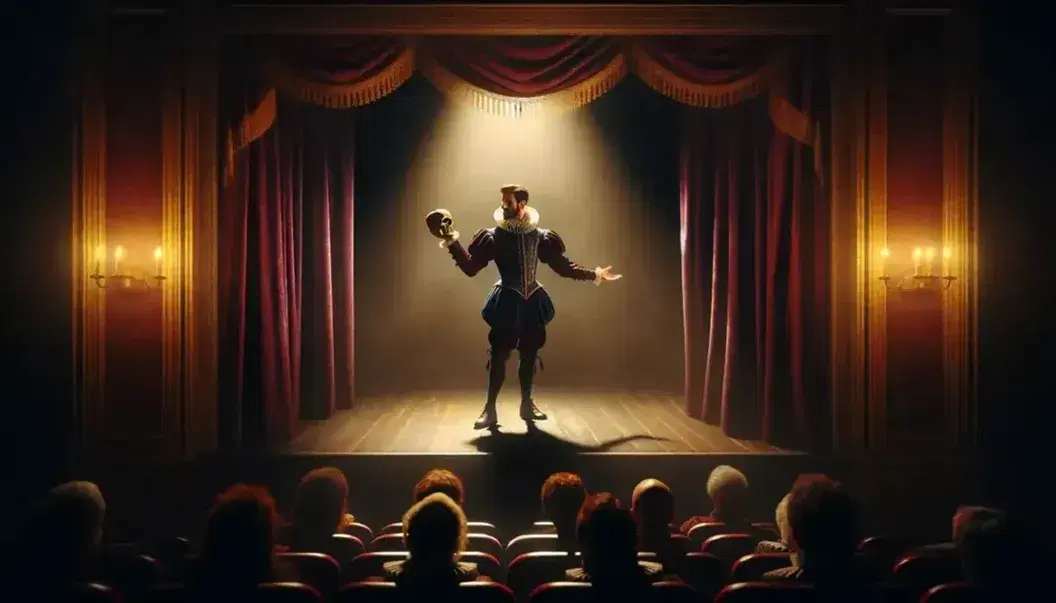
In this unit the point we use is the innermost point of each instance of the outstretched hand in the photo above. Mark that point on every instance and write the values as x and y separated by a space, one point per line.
607 275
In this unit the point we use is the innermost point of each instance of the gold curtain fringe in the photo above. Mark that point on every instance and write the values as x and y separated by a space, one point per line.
254 124
563 101
711 96
345 96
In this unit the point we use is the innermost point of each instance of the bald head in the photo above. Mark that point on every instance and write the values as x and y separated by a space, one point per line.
653 503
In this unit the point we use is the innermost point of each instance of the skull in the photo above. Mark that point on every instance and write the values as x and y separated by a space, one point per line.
440 223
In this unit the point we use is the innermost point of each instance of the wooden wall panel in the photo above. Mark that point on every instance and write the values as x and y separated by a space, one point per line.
134 65
915 405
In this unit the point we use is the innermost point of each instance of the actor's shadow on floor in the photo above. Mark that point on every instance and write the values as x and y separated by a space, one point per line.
529 458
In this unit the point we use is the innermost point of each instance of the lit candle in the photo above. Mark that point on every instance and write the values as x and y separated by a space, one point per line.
947 254
930 255
157 261
100 255
119 254
917 255
884 254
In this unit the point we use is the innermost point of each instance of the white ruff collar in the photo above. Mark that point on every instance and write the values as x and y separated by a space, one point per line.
525 223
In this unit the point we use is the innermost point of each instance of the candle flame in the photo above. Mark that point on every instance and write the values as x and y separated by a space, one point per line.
947 253
885 252
917 253
157 253
119 253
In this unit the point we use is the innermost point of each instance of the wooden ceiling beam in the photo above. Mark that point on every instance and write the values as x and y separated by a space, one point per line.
533 19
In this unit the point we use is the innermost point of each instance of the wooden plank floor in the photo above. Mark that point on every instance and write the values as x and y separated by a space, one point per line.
584 421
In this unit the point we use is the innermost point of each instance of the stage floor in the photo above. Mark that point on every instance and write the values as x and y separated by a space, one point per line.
441 423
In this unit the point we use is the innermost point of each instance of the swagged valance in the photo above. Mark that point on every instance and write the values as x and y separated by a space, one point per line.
524 76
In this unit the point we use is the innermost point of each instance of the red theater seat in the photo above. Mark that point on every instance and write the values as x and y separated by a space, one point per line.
387 543
531 570
485 592
287 592
368 592
359 530
766 592
729 547
752 567
562 592
474 527
93 592
369 565
487 565
530 543
317 570
344 548
916 574
485 543
702 531
955 592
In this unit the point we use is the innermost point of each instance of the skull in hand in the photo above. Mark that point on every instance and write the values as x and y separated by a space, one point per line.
440 224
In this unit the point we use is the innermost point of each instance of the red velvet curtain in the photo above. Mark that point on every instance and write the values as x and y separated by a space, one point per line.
287 223
754 271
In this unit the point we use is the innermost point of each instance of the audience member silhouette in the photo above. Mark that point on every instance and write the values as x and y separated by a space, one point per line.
728 490
653 507
434 530
608 538
823 522
998 557
54 547
320 510
562 496
442 481
238 550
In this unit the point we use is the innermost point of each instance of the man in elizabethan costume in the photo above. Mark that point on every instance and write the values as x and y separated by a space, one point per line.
518 308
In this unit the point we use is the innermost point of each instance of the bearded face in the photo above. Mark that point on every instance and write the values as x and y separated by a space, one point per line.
511 209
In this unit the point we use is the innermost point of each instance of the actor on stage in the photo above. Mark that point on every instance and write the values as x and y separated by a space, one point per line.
518 308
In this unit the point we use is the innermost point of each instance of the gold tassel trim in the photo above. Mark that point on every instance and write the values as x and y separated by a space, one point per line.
345 96
559 102
254 124
661 79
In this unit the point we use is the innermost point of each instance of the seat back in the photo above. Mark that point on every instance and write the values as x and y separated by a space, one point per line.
529 571
487 565
543 526
317 570
766 592
729 547
530 543
562 592
344 548
93 592
885 551
702 531
388 542
954 592
752 567
286 592
916 574
370 565
485 543
359 530
476 527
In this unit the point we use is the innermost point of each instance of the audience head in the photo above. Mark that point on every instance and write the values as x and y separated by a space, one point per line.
653 505
240 535
66 526
442 481
728 490
823 520
607 534
435 529
321 502
562 496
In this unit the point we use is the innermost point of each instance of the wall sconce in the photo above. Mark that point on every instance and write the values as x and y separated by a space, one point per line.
924 277
120 278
